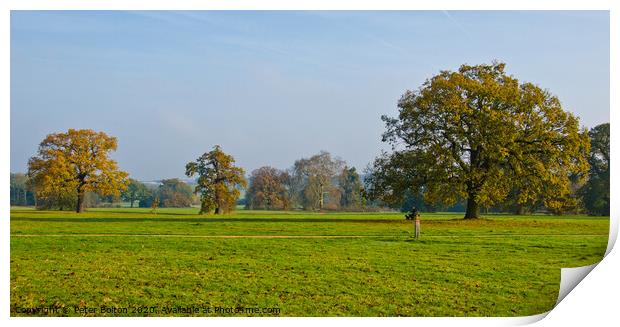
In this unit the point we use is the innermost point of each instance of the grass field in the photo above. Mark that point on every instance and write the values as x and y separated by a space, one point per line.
292 263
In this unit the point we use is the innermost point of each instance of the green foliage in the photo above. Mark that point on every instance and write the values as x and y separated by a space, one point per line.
218 181
174 193
135 191
596 196
350 188
411 201
58 199
595 192
151 194
20 194
478 134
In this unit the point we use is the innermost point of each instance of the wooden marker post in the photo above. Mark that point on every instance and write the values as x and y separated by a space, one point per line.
417 227
415 216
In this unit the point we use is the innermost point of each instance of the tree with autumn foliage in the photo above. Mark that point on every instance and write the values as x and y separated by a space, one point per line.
268 189
218 181
71 164
478 134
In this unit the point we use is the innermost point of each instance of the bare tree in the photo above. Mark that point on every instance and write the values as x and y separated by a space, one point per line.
317 175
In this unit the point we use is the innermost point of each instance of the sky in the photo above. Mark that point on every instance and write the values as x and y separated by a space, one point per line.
273 87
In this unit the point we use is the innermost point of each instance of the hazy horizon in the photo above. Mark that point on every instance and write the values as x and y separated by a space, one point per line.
272 87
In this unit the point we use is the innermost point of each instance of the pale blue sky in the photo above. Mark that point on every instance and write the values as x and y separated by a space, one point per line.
271 87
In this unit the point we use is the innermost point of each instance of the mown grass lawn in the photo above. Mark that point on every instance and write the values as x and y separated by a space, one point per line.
501 265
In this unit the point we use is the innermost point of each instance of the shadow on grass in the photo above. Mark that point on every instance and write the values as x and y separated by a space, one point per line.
202 219
206 220
88 214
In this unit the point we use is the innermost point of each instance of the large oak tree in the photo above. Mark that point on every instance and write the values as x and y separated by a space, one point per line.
218 181
72 163
477 134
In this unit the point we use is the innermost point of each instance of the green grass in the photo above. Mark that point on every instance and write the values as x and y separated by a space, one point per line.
501 265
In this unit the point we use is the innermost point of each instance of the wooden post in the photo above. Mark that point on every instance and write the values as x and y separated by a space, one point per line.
417 227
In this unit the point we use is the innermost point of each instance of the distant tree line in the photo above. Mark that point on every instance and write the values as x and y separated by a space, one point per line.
320 182
21 194
168 193
475 140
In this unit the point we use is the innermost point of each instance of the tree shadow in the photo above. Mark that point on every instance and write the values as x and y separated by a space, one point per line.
206 220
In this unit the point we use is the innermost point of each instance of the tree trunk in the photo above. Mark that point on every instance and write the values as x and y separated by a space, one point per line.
80 202
321 197
131 205
217 204
520 210
203 207
473 209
